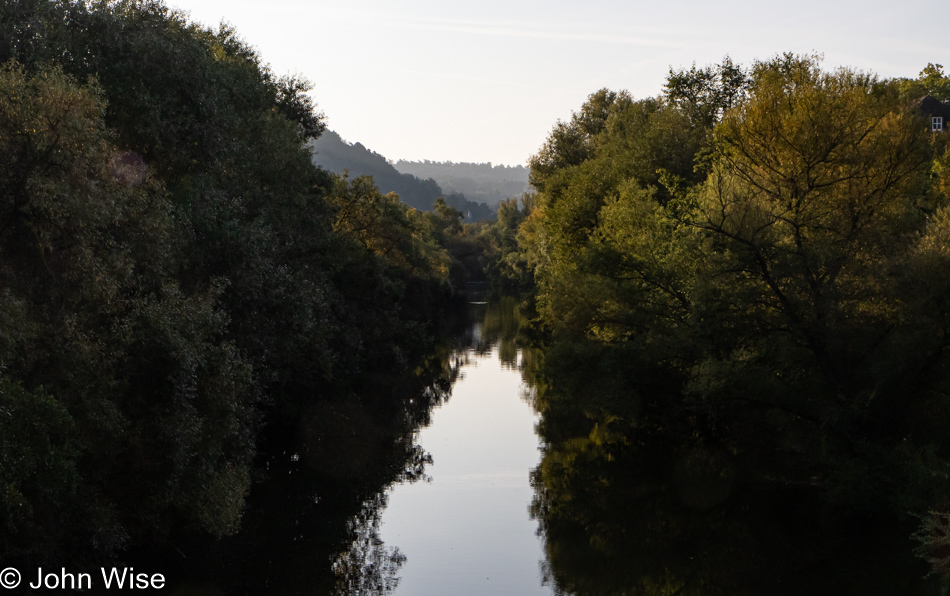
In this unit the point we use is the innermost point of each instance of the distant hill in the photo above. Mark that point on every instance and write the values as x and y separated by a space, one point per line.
480 182
332 153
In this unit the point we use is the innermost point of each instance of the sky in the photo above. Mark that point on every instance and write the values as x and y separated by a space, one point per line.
486 81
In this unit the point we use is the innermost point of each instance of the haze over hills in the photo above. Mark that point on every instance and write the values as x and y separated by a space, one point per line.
333 153
481 182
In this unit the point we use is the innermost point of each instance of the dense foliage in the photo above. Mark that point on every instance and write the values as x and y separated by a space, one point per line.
751 262
740 283
175 275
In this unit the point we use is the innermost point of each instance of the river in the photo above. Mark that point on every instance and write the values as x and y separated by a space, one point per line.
450 482
467 530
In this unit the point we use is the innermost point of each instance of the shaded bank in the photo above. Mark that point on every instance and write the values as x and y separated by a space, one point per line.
312 519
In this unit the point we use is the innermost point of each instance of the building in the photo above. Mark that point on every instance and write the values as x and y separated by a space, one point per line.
936 111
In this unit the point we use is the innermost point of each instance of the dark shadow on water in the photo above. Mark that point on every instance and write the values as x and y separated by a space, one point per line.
311 522
312 519
631 499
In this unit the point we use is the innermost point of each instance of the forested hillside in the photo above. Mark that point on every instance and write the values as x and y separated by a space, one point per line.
482 182
334 154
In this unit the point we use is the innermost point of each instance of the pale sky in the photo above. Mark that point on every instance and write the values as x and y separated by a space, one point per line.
487 80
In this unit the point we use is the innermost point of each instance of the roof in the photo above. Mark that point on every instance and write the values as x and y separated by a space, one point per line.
931 106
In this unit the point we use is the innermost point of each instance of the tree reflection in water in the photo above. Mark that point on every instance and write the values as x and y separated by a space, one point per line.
368 567
312 520
631 499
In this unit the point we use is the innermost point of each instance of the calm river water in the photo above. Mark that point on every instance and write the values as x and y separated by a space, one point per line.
450 483
419 486
467 530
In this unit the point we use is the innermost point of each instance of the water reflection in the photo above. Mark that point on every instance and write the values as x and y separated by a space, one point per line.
631 500
312 522
368 566
625 496
468 531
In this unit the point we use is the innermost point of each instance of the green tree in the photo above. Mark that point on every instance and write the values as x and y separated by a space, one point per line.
160 399
645 148
174 268
815 186
931 81
570 143
786 295
705 94
38 471
505 266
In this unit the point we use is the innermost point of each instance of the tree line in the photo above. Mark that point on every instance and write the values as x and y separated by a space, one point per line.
177 279
749 266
